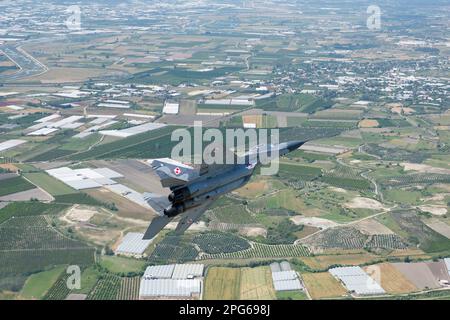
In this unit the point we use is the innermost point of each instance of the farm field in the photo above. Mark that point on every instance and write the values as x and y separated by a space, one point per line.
323 285
173 249
323 262
291 295
213 243
342 238
222 284
38 284
129 289
233 214
49 184
409 225
107 288
115 264
13 185
59 290
298 171
239 283
29 208
419 274
259 250
256 284
392 280
29 245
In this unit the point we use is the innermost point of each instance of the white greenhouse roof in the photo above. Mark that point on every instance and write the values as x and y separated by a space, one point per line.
10 144
48 118
169 288
275 267
285 266
85 178
128 193
160 272
65 121
356 280
171 108
42 132
83 184
133 130
132 243
108 173
284 275
287 285
447 264
183 271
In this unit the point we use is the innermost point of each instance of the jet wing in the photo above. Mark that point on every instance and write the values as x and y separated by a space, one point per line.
187 219
156 226
157 202
192 215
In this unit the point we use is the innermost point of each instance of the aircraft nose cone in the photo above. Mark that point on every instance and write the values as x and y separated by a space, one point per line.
294 145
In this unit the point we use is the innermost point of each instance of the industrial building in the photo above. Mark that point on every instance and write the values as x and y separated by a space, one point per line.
357 281
173 281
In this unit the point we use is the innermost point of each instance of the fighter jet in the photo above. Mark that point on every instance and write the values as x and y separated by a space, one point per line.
195 190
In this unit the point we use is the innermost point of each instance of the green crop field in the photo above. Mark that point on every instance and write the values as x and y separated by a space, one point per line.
30 208
179 75
393 123
59 290
49 184
347 183
119 265
291 295
28 245
293 102
259 250
285 199
39 283
409 226
77 198
403 196
107 288
129 289
330 124
76 144
173 249
26 262
220 242
13 185
298 171
234 214
152 142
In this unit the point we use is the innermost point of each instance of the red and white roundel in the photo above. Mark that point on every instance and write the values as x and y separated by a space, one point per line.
177 171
